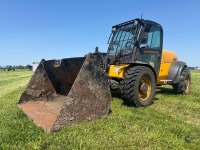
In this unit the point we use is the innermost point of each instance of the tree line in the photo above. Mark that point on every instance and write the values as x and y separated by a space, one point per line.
10 67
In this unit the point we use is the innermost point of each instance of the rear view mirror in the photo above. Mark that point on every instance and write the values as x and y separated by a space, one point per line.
144 38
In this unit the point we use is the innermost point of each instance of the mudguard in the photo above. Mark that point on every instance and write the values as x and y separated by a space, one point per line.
175 71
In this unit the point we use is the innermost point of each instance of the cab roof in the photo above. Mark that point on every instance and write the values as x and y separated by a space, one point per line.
141 21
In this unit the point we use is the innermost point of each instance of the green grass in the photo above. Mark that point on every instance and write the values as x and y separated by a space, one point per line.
172 122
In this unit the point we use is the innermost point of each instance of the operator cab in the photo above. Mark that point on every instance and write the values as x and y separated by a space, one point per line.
136 41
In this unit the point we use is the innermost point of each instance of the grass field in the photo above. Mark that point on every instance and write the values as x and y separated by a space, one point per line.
172 122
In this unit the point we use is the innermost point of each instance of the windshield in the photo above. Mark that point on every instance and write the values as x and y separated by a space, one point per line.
122 41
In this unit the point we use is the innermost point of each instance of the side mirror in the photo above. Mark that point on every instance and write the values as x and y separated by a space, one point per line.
144 38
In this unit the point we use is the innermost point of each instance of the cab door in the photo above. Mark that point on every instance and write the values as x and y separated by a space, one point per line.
150 52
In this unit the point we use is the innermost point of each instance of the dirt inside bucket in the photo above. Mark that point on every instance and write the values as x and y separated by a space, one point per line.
43 113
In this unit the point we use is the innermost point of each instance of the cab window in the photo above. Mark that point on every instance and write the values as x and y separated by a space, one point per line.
153 41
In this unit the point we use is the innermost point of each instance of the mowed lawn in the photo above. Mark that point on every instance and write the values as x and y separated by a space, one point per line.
172 122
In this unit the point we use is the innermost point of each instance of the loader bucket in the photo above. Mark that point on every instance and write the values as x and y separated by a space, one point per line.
66 92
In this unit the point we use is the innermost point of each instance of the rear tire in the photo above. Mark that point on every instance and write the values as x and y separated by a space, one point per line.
184 85
138 86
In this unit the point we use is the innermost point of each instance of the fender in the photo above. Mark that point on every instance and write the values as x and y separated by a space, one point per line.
175 71
147 65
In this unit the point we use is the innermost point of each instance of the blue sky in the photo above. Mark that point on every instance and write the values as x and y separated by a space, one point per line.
53 29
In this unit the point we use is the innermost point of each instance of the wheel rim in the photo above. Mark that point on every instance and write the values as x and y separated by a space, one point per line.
144 88
187 84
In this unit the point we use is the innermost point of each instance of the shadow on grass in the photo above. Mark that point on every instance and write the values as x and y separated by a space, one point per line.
166 91
116 94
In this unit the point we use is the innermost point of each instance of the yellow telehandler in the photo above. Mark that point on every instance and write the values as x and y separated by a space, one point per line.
73 90
137 63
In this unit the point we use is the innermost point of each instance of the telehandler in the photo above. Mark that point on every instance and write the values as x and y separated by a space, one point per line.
73 90
137 63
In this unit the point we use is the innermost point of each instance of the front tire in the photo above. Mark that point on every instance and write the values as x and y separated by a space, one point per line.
184 85
138 86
